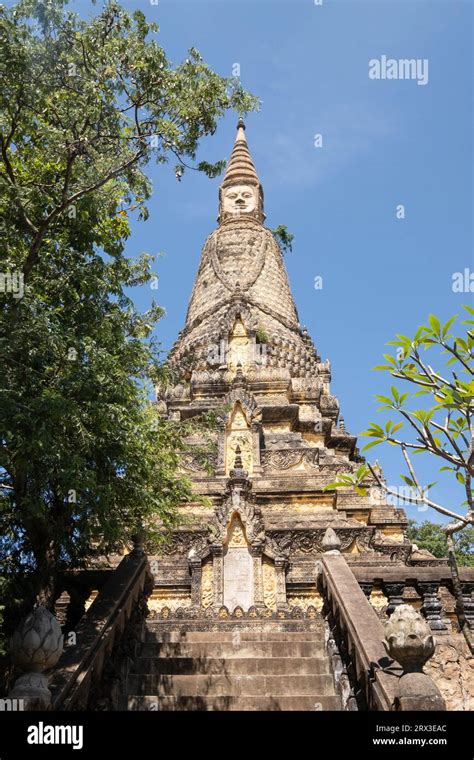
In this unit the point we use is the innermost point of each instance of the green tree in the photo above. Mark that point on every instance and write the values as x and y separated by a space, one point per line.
442 427
85 460
430 536
283 238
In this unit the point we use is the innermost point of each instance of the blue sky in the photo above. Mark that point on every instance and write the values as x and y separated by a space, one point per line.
384 143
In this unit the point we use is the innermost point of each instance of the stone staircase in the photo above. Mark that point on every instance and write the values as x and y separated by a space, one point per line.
277 665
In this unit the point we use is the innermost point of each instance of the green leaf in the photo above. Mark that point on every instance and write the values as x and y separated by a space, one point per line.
434 324
448 324
370 445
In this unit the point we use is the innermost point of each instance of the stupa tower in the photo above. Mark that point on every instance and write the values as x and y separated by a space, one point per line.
280 438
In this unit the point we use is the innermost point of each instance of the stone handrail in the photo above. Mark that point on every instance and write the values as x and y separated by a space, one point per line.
97 633
377 676
405 573
427 582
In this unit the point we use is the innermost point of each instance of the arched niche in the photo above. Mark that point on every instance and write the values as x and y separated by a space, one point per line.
238 434
238 567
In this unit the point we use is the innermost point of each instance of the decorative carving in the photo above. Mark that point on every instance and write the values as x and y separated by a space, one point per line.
199 462
269 583
236 533
309 601
307 542
303 610
181 543
329 406
246 401
168 599
378 600
239 436
239 500
284 459
297 612
280 570
229 247
238 310
207 585
195 565
396 551
218 574
239 440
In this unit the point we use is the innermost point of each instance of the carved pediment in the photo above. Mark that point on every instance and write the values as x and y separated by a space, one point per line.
285 459
238 500
310 542
247 402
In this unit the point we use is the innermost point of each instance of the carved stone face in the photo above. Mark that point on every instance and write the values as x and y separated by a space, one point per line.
239 199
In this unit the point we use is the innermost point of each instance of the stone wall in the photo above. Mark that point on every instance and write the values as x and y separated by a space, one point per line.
452 669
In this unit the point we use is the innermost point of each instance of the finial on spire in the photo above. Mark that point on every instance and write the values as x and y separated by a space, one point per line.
241 192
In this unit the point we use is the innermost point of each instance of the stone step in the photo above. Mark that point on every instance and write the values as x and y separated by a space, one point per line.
292 649
237 685
280 703
230 666
214 637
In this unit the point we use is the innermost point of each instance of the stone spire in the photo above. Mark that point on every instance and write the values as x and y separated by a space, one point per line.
240 167
241 314
241 191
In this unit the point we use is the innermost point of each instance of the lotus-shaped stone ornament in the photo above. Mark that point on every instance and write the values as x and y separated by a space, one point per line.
408 639
37 643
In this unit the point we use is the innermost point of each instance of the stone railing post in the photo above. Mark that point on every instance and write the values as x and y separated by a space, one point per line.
35 647
409 641
138 540
366 587
467 588
394 593
431 606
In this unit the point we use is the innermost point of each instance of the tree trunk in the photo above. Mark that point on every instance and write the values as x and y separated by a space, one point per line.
46 574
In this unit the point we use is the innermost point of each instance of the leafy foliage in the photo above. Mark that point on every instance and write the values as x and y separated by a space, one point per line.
442 428
283 238
430 536
85 460
262 335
